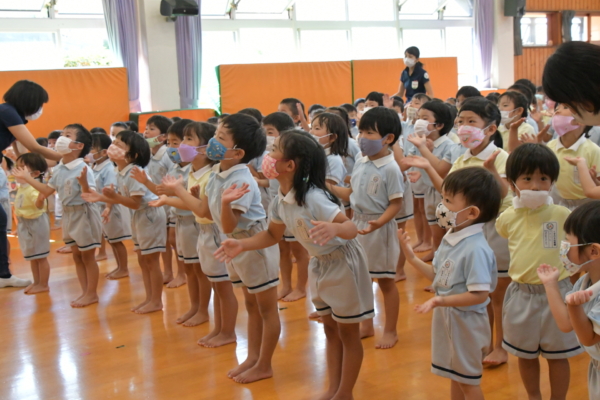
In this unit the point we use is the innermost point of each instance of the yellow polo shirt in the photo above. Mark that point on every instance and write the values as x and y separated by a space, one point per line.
568 183
534 238
25 203
523 129
469 160
200 178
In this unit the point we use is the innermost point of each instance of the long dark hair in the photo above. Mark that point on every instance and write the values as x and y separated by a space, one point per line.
311 163
337 126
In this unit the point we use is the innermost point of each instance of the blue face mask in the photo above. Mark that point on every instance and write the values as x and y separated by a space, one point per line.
216 150
173 154
370 147
353 122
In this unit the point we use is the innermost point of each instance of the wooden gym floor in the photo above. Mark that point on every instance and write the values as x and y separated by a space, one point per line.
49 350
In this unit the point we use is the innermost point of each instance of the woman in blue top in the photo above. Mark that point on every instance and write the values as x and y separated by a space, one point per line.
22 103
414 78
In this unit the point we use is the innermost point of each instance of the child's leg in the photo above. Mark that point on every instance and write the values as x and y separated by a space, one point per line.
204 291
193 291
560 376
92 273
471 392
400 274
391 300
167 257
146 280
418 205
285 267
41 275
152 262
530 375
456 392
302 259
180 279
335 356
80 270
227 315
437 234
216 318
352 360
498 355
36 275
102 250
271 328
120 253
255 327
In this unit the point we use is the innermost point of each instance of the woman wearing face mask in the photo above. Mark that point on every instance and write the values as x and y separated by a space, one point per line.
414 78
23 102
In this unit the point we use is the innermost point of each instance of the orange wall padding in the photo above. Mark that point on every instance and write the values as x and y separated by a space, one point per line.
90 96
384 76
196 115
263 86
486 92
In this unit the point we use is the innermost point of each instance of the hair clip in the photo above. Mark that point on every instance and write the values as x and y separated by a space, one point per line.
305 180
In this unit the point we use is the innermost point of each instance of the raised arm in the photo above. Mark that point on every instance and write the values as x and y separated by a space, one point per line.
406 248
140 175
22 134
23 174
587 183
230 248
549 277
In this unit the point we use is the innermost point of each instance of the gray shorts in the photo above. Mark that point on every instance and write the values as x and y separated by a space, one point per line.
594 379
81 226
288 236
118 227
432 199
258 270
209 240
147 230
407 210
34 237
381 246
500 247
5 203
459 343
171 216
419 188
186 238
529 327
340 284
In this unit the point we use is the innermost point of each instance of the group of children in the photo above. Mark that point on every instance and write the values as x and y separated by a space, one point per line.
501 204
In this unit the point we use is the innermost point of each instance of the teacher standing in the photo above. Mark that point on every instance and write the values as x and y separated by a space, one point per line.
23 102
414 78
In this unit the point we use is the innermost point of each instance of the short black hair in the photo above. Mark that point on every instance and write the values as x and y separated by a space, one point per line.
202 130
398 104
530 157
583 223
223 116
132 126
453 112
494 96
349 107
161 122
247 134
54 135
524 90
35 162
518 100
343 114
176 118
442 115
280 121
479 188
337 126
139 149
382 120
421 96
101 141
42 141
487 110
376 97
9 162
315 107
527 83
121 125
213 120
83 136
358 101
253 112
98 129
178 127
27 97
468 91
292 102
413 51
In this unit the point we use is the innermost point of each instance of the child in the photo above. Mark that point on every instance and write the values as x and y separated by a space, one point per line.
339 279
464 93
376 197
353 149
116 220
34 225
513 106
463 274
329 130
193 149
52 138
117 127
295 109
128 150
81 226
580 251
533 229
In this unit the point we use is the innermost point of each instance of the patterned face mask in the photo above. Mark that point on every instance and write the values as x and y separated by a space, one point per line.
447 219
268 167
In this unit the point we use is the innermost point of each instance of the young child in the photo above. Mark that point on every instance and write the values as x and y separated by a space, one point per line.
117 127
81 226
129 149
34 225
116 219
353 148
533 227
339 279
193 149
295 109
513 106
376 198
329 130
463 274
580 251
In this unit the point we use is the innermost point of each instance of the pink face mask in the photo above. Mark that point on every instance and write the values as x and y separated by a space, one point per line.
471 136
550 104
268 167
562 124
116 153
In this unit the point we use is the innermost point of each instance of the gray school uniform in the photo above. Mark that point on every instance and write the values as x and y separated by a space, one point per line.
456 151
374 185
258 270
534 125
209 241
157 168
461 335
34 237
146 222
529 327
81 224
184 222
592 310
265 197
338 277
273 191
118 227
500 247
595 135
350 161
5 199
336 171
406 213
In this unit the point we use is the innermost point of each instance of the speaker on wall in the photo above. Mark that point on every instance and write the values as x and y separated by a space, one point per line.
173 8
514 8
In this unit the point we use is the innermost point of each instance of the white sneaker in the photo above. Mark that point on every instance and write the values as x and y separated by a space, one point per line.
13 281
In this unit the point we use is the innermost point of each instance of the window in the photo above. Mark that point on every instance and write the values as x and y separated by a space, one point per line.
85 48
418 9
374 43
35 50
263 9
534 30
429 41
372 10
595 29
579 29
23 9
79 9
214 7
319 10
218 47
459 44
330 45
267 45
458 9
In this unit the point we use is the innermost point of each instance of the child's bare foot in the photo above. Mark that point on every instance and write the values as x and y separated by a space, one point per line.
77 299
387 341
117 274
296 295
101 257
327 396
85 301
167 277
422 248
65 250
150 308
314 315
254 374
220 340
400 277
177 282
497 357
206 338
142 304
366 331
37 289
281 293
196 319
428 257
246 365
191 312
429 289
417 245
28 288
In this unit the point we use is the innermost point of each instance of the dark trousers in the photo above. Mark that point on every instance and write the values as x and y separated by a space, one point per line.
4 270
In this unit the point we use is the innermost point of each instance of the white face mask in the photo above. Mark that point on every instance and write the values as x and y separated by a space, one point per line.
35 116
410 62
422 127
367 109
533 199
62 145
270 142
506 118
411 113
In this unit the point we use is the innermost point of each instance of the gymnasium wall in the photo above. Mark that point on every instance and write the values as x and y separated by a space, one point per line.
560 5
197 115
531 64
90 96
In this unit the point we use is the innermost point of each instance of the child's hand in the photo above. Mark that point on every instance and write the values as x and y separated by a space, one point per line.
594 175
536 115
528 138
91 196
229 249
405 244
82 178
21 174
418 141
413 176
109 191
579 298
323 232
515 125
161 201
388 102
575 160
106 215
139 175
429 144
548 274
543 133
428 305
415 161
195 191
171 182
234 193
373 226
490 163
164 189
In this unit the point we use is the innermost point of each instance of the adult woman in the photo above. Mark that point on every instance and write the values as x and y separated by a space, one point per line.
22 103
414 78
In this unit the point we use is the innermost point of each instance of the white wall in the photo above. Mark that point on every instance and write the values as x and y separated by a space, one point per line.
503 60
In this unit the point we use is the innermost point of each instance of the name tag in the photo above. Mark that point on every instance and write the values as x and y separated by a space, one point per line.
415 84
301 229
68 188
373 186
550 236
444 274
